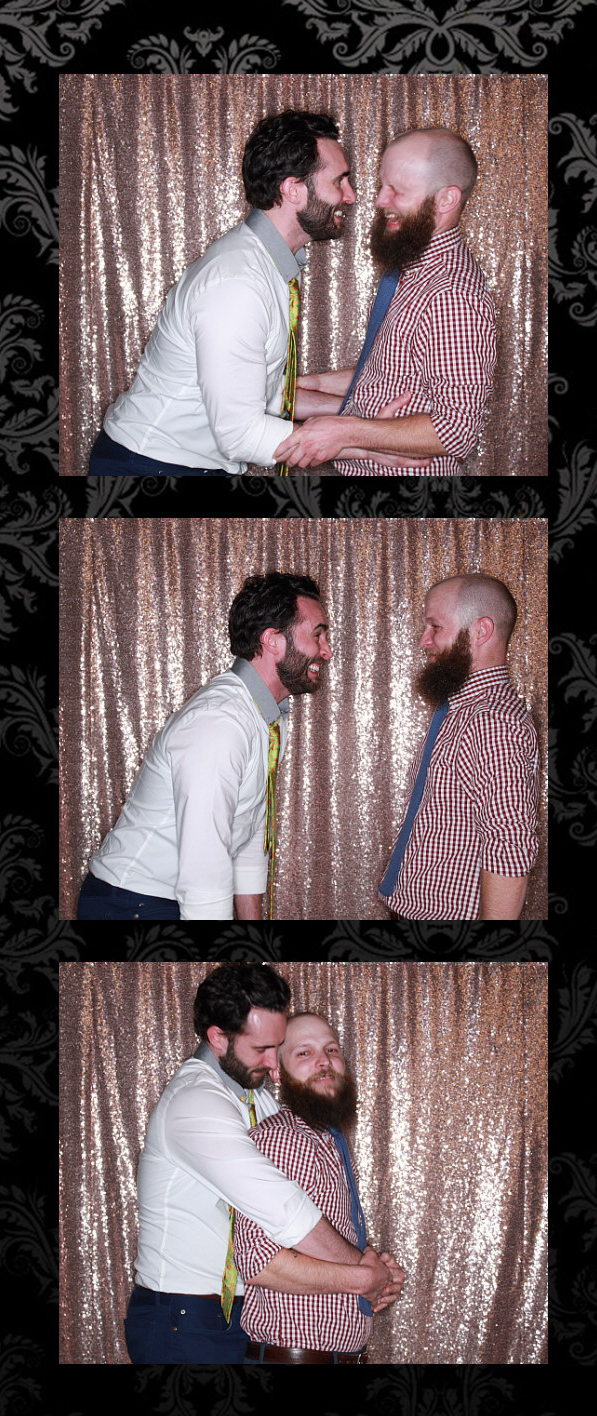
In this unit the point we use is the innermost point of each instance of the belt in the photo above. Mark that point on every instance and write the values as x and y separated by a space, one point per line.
296 1355
165 1297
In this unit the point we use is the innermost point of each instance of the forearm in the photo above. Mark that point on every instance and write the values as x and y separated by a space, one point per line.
324 1242
248 906
309 403
336 381
502 896
413 433
291 1272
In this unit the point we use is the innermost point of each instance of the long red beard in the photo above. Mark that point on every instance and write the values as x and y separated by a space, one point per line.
319 1111
397 249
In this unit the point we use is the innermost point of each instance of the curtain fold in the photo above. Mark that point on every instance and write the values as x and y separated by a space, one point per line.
144 607
150 175
450 1142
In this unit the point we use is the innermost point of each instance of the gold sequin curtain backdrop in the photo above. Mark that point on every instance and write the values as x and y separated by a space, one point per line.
450 1142
150 175
144 609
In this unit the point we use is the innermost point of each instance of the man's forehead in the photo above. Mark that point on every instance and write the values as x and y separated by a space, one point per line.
262 1022
310 611
441 597
304 1030
405 157
331 154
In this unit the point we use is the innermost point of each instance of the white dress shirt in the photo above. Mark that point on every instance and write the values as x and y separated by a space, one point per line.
193 826
198 1159
208 389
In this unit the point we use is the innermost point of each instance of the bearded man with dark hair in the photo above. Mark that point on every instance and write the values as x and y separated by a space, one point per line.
196 833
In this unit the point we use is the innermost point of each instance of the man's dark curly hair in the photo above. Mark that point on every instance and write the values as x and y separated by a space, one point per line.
283 145
226 996
266 602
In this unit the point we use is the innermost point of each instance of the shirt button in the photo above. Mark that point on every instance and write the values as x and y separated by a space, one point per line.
135 916
175 1329
183 1311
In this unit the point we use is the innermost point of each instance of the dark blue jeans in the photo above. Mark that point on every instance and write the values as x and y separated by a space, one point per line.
98 900
183 1329
110 459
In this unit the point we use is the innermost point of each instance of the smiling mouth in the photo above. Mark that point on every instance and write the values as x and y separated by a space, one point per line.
314 670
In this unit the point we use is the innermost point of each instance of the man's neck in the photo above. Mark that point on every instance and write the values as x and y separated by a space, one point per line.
288 228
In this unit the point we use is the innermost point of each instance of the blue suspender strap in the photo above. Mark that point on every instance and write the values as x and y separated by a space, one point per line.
381 304
389 881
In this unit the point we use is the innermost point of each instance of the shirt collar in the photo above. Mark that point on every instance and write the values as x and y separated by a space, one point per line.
477 683
204 1054
259 690
438 247
289 264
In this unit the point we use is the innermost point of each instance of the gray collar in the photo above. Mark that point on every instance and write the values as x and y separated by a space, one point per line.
289 265
259 690
204 1054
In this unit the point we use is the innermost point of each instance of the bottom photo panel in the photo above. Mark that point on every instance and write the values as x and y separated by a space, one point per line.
302 1163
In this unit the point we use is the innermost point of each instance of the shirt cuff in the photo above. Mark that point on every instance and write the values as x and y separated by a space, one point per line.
305 1216
276 431
210 909
249 880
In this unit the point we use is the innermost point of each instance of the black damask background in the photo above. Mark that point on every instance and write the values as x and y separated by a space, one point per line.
107 37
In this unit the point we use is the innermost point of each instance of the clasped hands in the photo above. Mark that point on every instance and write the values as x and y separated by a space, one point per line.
385 1278
321 438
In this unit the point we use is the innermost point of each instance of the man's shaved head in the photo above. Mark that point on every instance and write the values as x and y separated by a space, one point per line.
478 595
449 160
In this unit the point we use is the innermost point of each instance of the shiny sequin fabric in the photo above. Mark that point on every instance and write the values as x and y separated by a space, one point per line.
150 175
450 1142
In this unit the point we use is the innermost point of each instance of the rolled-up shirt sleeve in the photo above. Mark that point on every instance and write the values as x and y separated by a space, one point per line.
458 338
205 1136
507 758
208 767
231 323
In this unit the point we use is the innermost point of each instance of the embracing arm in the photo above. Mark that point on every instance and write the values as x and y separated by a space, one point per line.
319 439
372 1276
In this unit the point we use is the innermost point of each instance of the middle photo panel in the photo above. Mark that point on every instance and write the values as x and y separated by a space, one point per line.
303 719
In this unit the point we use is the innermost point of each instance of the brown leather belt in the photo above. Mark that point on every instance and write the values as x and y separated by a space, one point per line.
296 1355
215 1297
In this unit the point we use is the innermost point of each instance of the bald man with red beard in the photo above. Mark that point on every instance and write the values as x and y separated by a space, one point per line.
416 405
305 1140
467 845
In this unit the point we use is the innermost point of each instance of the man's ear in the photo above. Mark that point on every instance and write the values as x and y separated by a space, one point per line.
483 629
294 190
217 1040
448 199
273 642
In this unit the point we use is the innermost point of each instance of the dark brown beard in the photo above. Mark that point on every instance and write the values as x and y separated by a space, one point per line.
233 1067
319 1111
397 249
317 218
448 673
292 669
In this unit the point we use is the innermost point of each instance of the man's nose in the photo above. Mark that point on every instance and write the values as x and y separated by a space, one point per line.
325 649
382 198
426 639
348 192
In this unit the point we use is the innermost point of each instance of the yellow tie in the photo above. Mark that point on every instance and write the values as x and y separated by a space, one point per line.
269 843
288 395
230 1271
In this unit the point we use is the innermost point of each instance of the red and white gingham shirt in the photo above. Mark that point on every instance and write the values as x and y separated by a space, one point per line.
437 341
479 805
328 1322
